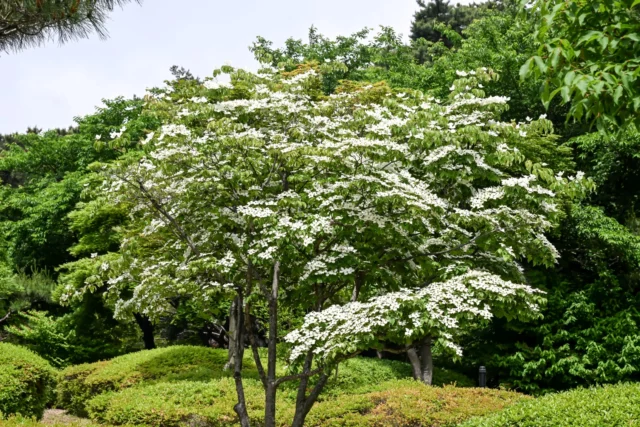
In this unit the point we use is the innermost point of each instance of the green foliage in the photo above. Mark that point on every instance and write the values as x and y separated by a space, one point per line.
589 54
614 164
43 335
616 405
359 375
589 334
27 381
20 291
193 366
499 39
60 421
396 402
25 23
429 19
81 382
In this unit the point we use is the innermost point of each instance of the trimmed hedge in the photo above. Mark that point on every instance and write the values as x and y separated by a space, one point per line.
27 381
398 403
79 384
612 405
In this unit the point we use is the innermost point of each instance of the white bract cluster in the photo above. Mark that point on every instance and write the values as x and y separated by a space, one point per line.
385 188
440 310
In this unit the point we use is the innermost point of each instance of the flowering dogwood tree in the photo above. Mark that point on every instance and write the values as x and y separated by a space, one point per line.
265 190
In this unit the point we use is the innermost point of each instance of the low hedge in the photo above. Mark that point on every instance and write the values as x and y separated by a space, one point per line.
27 381
612 405
398 403
79 384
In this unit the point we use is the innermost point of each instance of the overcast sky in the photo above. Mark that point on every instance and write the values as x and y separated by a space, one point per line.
50 85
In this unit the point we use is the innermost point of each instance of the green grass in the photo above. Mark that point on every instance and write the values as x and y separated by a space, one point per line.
27 381
612 405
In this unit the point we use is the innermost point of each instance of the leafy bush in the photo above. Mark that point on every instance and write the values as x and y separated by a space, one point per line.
27 381
360 374
80 383
613 405
398 402
185 382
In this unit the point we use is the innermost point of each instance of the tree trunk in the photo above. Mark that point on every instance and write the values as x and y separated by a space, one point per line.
271 387
359 280
414 359
147 328
427 361
241 407
233 332
304 403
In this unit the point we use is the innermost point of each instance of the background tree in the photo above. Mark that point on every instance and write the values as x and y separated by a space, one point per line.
431 19
589 55
25 23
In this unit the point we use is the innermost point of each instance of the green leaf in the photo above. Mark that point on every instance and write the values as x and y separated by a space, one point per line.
568 78
526 68
541 65
617 94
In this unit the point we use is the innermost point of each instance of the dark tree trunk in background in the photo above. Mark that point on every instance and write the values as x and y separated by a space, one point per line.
414 359
234 327
147 328
427 361
422 364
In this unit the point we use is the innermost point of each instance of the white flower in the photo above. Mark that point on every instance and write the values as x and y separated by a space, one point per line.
93 255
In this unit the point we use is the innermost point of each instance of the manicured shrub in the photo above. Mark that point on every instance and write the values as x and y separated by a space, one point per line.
360 374
27 381
78 384
411 403
612 405
399 402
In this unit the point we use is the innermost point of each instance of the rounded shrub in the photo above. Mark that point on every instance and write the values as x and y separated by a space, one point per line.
612 405
27 381
363 374
78 384
397 402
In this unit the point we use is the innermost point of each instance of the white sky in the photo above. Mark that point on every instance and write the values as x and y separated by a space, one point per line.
49 85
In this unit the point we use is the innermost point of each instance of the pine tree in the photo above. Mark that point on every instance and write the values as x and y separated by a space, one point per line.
26 23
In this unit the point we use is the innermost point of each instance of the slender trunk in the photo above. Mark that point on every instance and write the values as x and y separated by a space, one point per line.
241 407
304 403
233 332
414 359
357 286
147 328
427 361
271 388
303 409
